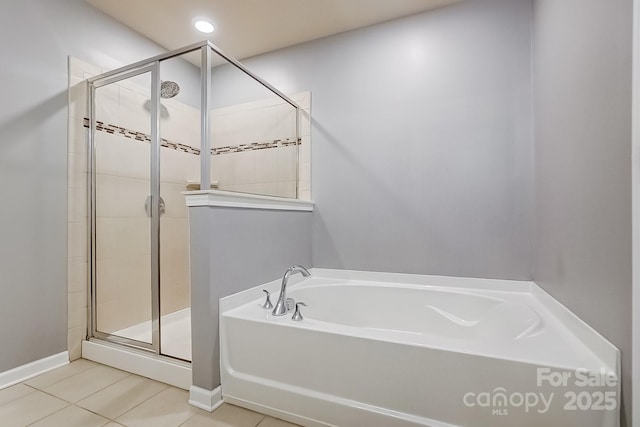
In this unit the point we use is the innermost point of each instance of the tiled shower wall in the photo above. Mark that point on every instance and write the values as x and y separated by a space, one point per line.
122 187
77 268
254 151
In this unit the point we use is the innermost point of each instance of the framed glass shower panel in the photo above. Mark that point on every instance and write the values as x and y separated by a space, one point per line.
254 134
122 152
180 146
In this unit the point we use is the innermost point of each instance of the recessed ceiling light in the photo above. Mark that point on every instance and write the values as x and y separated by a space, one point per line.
204 26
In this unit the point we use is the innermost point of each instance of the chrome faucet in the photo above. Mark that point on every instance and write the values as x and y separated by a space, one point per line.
282 307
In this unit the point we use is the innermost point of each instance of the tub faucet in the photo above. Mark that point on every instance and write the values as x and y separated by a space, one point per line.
281 307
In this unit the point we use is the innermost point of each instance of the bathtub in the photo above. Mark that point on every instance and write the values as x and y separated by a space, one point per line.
380 349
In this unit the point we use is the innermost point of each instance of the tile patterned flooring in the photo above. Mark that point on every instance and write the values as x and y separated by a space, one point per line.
87 394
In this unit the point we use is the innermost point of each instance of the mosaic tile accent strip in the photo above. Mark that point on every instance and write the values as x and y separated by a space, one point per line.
255 146
216 151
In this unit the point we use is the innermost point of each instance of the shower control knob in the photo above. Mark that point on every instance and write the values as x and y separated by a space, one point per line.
267 302
297 316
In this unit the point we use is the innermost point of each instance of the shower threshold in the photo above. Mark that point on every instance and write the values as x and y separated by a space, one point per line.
166 367
160 368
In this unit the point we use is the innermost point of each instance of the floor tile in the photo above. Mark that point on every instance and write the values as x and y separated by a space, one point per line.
168 408
273 422
85 383
42 381
113 424
71 416
225 416
14 392
118 398
29 408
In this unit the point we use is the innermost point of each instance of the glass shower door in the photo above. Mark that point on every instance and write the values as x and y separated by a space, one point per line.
126 210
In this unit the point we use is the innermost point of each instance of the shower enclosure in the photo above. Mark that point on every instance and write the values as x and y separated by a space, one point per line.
190 119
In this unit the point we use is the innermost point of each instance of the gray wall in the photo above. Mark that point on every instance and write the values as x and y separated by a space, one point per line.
582 69
424 158
233 250
36 36
422 142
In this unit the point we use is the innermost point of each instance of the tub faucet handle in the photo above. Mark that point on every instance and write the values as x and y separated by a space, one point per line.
267 303
297 316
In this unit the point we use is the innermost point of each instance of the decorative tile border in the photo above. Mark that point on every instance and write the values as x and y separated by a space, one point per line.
255 146
216 151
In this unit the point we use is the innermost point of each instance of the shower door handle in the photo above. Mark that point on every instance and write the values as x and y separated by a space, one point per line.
147 206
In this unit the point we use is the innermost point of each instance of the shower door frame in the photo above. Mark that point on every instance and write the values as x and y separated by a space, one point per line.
154 346
207 50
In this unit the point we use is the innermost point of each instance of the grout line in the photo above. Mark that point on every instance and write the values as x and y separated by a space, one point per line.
87 370
60 380
93 412
54 412
20 397
147 399
187 420
98 391
144 401
74 404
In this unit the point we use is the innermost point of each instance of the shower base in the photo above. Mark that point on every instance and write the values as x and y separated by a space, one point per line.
175 340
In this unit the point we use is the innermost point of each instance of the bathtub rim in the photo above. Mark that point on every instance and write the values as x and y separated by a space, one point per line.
470 283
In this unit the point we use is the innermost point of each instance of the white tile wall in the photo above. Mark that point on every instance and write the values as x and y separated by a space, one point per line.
77 275
108 275
77 240
77 206
106 154
134 237
245 167
223 169
77 97
177 166
175 207
107 104
107 195
133 109
132 195
180 123
270 171
107 243
267 165
133 158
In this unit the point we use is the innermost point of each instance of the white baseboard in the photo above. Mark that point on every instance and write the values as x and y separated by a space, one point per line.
157 368
30 370
205 399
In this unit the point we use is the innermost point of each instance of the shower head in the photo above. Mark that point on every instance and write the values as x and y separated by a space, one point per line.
169 89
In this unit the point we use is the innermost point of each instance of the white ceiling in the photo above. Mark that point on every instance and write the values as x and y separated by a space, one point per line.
246 28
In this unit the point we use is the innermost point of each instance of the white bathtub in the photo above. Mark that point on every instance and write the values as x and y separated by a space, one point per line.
377 349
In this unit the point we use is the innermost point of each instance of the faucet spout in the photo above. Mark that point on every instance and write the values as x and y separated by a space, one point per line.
281 306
